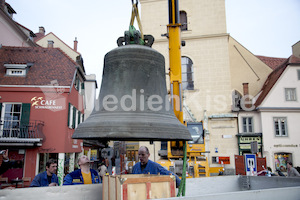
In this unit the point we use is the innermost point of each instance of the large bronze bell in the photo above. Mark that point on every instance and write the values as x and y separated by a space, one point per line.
133 100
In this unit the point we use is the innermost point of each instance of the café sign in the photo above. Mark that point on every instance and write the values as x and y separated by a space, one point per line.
49 104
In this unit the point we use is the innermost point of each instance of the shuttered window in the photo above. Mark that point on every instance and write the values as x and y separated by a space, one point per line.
75 117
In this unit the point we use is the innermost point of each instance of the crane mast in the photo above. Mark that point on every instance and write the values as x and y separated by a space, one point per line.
175 78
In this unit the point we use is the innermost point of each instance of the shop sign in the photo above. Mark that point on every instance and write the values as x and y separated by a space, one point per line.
225 160
132 147
285 145
48 104
250 139
248 146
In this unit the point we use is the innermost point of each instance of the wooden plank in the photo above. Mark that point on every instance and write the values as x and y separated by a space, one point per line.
149 179
105 185
125 192
137 191
160 190
173 188
119 189
112 188
138 187
148 190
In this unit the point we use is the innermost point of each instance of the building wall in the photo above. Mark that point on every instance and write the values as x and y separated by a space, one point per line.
257 126
90 94
246 68
273 144
276 97
57 135
58 44
275 105
220 66
207 46
204 17
9 36
296 49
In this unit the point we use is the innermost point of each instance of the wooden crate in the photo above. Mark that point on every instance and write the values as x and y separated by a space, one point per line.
138 187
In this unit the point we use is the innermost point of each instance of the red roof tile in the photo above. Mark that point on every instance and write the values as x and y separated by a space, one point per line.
272 62
273 77
48 64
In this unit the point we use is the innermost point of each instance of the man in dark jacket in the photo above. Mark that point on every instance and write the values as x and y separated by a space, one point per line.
84 175
146 166
48 177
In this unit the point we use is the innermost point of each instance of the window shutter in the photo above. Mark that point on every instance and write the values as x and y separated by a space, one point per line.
74 117
1 113
69 112
0 109
82 85
25 115
79 114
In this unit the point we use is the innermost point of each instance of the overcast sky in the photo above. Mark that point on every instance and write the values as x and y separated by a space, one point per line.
265 27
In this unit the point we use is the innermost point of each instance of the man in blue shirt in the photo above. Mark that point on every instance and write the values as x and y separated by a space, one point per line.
48 177
84 175
146 166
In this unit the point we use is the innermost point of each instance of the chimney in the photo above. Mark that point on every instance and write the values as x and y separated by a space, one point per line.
75 44
50 43
247 100
42 30
245 88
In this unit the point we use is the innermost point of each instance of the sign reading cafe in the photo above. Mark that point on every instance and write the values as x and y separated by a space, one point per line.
50 104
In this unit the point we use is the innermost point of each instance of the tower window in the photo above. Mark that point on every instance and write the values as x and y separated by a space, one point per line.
183 20
187 73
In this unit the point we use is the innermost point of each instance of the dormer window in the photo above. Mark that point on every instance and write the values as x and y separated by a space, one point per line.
17 69
15 72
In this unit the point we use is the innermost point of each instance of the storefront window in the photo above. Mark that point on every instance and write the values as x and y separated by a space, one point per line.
281 159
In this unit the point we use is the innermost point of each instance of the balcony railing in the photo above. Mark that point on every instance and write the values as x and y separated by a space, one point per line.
33 131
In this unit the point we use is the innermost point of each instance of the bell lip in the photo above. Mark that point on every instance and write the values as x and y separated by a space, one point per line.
127 136
133 126
129 139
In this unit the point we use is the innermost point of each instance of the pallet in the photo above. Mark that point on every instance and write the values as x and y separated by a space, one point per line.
138 187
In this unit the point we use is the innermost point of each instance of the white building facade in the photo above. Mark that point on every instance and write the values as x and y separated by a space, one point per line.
279 109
